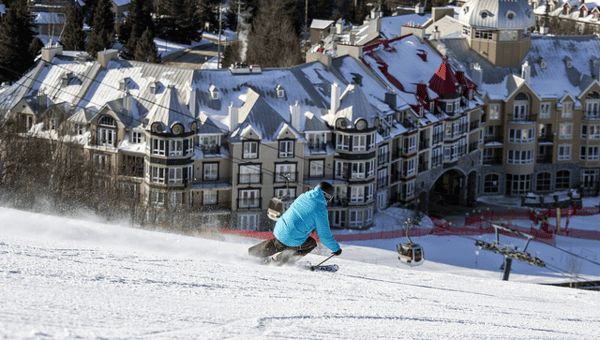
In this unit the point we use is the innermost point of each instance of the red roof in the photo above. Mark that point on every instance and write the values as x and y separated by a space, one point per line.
444 81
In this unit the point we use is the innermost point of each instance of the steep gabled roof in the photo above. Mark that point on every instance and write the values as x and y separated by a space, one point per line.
169 110
444 80
260 117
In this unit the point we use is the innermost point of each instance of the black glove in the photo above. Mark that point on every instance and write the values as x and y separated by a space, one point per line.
338 252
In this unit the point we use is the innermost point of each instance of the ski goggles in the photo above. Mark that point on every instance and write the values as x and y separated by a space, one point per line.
328 197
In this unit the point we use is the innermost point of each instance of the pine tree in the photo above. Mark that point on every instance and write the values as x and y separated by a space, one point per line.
146 48
74 35
272 41
16 35
35 47
102 35
138 20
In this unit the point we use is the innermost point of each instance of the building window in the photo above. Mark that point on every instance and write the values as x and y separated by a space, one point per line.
436 157
488 154
359 143
249 174
343 142
567 110
157 199
282 192
137 137
157 175
564 152
316 142
590 131
158 146
248 222
487 35
356 218
382 178
565 131
543 181
175 148
106 136
407 190
249 198
210 171
338 218
409 167
250 150
176 199
341 170
209 197
520 157
175 175
589 153
357 194
518 184
494 111
288 169
563 180
491 183
521 135
358 170
545 110
101 163
286 149
410 144
316 168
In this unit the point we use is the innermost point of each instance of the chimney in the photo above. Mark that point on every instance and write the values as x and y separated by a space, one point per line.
544 29
477 74
42 100
526 72
295 116
233 117
352 38
390 99
335 97
128 102
436 34
49 52
192 104
105 56
339 28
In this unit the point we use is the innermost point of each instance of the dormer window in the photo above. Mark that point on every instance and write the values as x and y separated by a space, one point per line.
484 14
543 64
280 91
107 131
153 87
510 15
568 62
214 93
67 78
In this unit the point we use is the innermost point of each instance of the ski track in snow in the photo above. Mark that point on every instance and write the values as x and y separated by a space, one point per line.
71 279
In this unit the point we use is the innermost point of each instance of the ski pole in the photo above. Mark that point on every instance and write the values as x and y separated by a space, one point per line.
332 255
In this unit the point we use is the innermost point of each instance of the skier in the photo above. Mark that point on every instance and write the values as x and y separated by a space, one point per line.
292 230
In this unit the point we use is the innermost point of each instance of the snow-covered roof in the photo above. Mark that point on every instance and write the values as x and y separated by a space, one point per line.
45 18
497 14
391 27
321 24
552 81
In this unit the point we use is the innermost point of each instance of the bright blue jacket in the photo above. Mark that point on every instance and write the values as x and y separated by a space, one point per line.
306 213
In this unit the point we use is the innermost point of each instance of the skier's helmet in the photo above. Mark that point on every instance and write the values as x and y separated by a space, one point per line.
328 190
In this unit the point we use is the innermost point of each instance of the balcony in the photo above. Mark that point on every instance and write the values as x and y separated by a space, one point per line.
382 182
424 144
249 203
492 161
474 125
339 202
396 154
250 178
544 159
408 124
317 147
210 150
547 138
473 146
424 166
396 176
591 115
383 157
528 117
438 137
491 138
436 160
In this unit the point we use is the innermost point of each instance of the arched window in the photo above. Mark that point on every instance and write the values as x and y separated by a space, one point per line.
491 183
563 179
107 121
107 132
522 96
593 95
543 181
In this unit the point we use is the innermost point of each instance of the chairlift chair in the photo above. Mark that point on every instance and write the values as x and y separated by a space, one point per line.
277 206
410 253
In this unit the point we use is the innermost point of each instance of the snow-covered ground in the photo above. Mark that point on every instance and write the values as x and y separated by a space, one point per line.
65 278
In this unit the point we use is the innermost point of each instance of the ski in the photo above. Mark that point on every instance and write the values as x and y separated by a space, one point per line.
322 268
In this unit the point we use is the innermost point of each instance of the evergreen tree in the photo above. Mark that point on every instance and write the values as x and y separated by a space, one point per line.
145 49
138 20
74 35
272 41
88 11
16 36
35 47
102 35
182 21
231 55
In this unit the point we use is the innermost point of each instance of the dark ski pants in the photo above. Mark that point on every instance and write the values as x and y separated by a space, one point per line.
274 246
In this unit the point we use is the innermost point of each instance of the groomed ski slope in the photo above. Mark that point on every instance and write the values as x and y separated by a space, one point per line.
62 278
